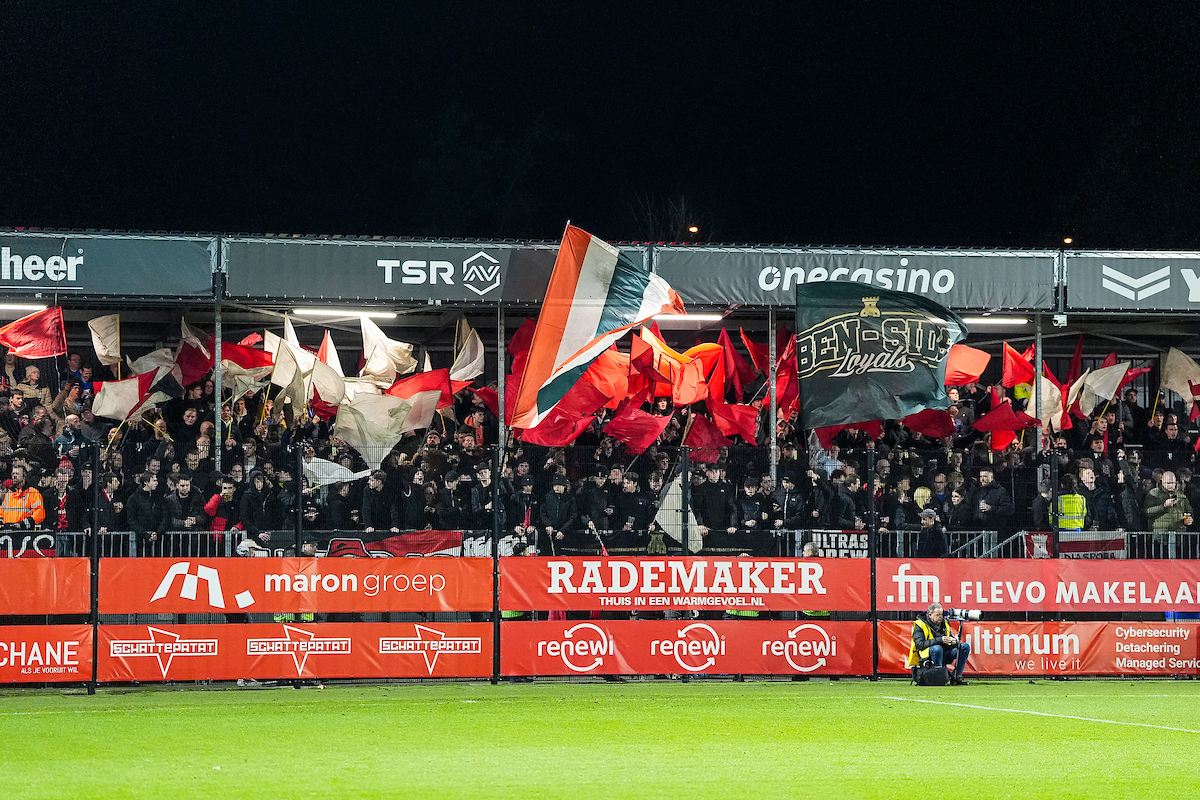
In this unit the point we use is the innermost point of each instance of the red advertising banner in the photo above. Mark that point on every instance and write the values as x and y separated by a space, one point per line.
1039 584
685 647
1062 648
285 651
45 586
588 584
246 585
45 653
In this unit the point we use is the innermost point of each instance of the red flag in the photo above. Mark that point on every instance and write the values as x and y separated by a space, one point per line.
783 339
705 437
193 364
737 368
637 429
323 410
643 358
1110 360
787 383
872 428
490 398
759 353
523 338
1076 363
932 422
582 399
438 379
243 356
39 335
965 365
735 419
689 386
251 340
1030 353
557 429
1133 373
1017 369
610 374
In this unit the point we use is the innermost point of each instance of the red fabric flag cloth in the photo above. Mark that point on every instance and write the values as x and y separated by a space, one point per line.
783 340
872 428
610 374
490 398
438 379
738 370
1133 373
251 340
245 357
689 386
932 422
1003 418
1076 363
323 410
740 420
1017 369
1030 353
523 338
645 360
39 335
1110 360
787 382
582 399
965 364
193 364
558 429
759 353
637 429
705 438
1002 439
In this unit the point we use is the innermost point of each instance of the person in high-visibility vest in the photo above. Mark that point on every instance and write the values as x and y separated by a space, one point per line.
23 506
932 641
1071 509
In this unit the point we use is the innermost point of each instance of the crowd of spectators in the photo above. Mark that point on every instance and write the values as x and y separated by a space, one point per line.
1126 468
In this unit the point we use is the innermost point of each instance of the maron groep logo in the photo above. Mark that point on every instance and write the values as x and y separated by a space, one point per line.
481 273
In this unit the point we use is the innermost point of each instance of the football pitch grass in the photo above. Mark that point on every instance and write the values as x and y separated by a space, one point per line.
704 739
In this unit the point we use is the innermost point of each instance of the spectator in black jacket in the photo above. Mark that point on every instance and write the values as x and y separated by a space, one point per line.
993 507
255 509
633 508
482 499
789 505
593 502
377 512
339 511
454 504
558 512
145 515
185 512
712 503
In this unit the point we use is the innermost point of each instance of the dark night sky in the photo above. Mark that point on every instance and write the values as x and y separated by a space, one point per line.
839 123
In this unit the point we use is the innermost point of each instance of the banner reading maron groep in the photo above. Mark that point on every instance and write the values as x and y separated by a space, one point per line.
863 354
589 584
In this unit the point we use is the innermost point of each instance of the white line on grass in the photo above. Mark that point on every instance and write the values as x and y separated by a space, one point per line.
1042 714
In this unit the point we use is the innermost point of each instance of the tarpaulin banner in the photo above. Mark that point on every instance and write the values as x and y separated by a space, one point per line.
45 586
38 544
1075 544
778 584
247 585
385 544
1061 648
45 653
685 647
286 651
1134 281
837 544
1039 584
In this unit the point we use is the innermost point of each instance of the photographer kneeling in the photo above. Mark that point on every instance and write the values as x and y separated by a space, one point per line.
934 645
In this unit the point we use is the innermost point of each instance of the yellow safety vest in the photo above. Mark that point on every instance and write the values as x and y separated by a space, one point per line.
913 660
1072 510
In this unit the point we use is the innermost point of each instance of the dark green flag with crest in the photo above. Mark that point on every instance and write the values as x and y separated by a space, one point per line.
864 353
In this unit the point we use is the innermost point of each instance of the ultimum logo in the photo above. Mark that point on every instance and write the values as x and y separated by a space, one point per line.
57 268
480 273
582 648
694 648
299 644
806 648
163 646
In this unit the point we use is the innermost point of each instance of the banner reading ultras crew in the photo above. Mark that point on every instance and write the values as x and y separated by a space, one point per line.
776 584
1061 648
45 653
685 647
246 585
45 586
1039 584
284 651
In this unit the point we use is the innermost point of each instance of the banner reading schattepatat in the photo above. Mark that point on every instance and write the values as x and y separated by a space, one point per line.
866 354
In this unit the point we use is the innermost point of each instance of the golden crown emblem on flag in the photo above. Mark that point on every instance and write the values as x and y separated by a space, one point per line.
870 307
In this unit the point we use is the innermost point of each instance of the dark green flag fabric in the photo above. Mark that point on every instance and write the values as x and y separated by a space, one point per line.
864 353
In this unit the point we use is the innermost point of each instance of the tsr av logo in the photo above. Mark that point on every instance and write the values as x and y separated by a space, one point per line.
480 273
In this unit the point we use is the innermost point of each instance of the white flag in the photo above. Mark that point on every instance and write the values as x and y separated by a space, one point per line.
106 339
386 358
468 364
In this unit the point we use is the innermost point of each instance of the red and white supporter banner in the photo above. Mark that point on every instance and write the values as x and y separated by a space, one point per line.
1062 648
583 584
1039 584
246 585
45 586
45 653
1076 544
286 650
685 647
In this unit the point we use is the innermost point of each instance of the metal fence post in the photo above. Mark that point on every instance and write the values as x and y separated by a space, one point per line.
872 534
95 568
299 478
685 497
496 450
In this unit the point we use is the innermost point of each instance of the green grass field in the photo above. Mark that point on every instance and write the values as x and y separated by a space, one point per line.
707 739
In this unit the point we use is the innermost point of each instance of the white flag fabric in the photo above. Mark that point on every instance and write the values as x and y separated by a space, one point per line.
329 354
1101 385
373 423
120 399
289 377
158 359
325 382
240 380
320 472
106 339
188 335
289 333
1052 409
386 358
1178 372
468 364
